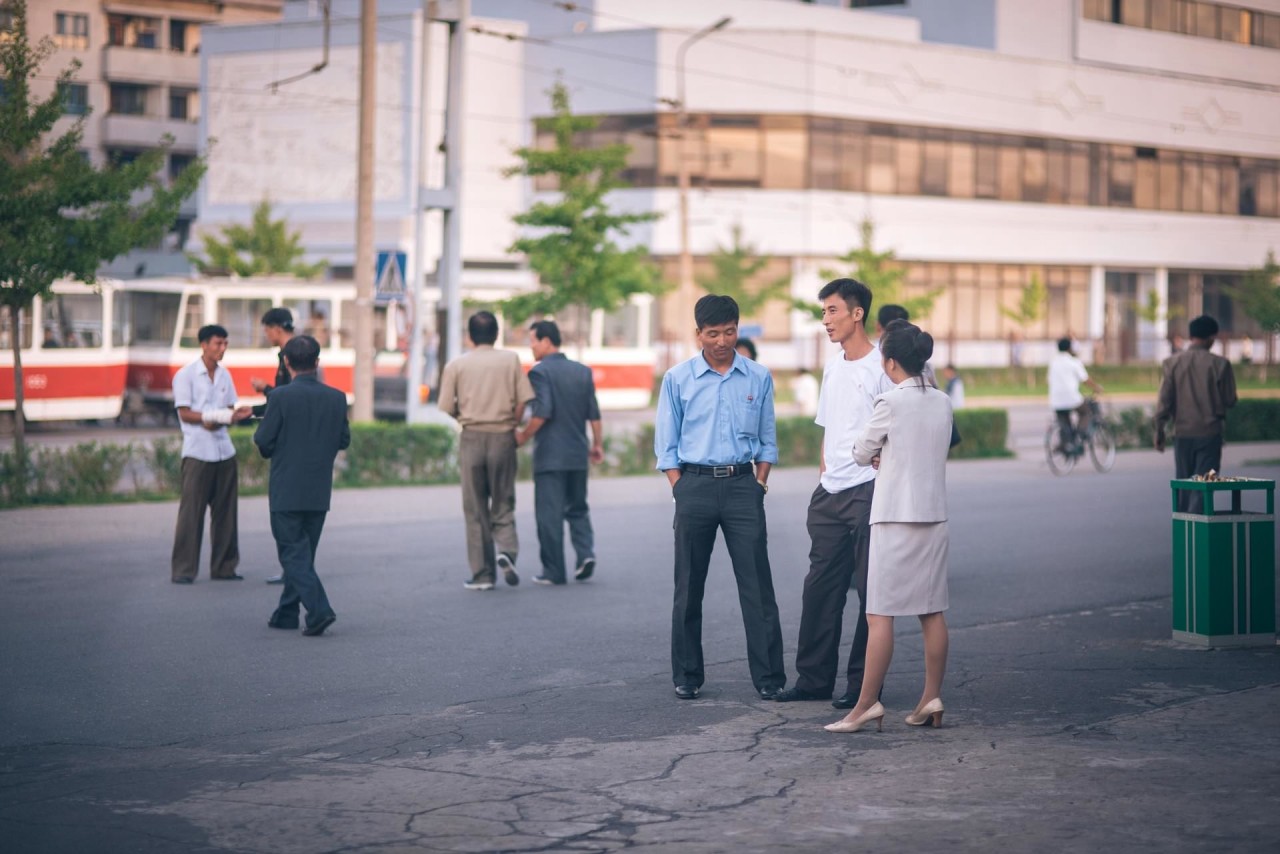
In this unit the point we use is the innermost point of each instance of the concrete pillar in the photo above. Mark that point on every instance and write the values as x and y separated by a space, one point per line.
1097 302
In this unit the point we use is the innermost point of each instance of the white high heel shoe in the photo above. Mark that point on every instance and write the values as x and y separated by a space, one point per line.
875 713
930 710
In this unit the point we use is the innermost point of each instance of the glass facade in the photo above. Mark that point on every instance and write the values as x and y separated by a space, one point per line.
1219 21
781 152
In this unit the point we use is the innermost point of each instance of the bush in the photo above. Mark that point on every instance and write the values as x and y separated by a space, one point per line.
85 473
984 433
1254 420
383 454
1132 427
799 441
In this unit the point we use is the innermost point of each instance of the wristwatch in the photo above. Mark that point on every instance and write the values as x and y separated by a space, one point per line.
763 486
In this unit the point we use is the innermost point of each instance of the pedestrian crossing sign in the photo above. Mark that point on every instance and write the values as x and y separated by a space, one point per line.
390 277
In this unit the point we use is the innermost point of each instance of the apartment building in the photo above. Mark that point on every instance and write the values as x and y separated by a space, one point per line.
139 80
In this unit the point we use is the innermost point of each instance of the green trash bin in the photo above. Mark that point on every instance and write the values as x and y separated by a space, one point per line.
1224 579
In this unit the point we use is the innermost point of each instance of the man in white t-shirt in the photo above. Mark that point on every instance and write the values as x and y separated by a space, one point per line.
839 519
205 399
1066 372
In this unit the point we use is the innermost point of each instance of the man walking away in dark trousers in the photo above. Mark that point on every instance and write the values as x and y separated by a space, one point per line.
716 440
1196 391
304 428
566 401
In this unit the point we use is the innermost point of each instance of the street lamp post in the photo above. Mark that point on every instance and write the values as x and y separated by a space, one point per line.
682 164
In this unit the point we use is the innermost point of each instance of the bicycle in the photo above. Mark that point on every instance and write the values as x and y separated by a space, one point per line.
1096 437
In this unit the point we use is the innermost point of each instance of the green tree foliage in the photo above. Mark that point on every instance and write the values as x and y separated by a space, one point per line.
735 270
1028 311
264 248
60 216
878 272
1259 297
571 240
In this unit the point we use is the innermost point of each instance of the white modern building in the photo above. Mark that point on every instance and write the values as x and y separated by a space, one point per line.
1112 148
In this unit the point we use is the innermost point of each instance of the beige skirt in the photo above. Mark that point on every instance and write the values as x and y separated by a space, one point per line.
907 569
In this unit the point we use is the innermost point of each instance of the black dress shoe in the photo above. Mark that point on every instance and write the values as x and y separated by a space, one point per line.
321 624
282 624
769 693
687 692
847 700
791 695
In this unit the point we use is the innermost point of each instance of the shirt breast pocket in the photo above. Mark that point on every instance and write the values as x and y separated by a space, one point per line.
747 415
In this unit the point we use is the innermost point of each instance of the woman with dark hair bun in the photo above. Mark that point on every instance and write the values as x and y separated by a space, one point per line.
907 439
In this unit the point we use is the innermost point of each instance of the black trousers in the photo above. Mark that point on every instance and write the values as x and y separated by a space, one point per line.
734 505
1194 456
297 534
560 497
839 542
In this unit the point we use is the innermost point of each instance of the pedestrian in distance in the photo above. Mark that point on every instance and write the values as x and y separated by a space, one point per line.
486 390
715 439
277 328
907 439
302 432
1197 387
205 399
747 347
565 405
887 314
839 516
953 386
1065 374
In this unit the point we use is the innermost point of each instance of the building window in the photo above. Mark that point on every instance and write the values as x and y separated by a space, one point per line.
178 164
133 31
184 104
1198 18
75 99
71 31
128 99
868 4
184 36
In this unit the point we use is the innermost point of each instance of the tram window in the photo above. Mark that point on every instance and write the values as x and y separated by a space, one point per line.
192 321
6 330
622 327
242 318
72 320
144 318
311 317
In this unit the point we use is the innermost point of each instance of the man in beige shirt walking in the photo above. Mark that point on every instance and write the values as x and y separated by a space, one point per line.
486 390
1197 390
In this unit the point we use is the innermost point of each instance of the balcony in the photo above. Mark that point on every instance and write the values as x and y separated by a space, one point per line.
140 65
119 131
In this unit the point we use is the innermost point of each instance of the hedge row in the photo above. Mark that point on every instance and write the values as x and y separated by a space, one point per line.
380 455
1250 420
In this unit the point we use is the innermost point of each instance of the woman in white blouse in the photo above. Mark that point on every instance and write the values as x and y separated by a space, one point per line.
908 435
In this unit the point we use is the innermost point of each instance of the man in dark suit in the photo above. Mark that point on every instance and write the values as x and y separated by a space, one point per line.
277 328
565 404
304 428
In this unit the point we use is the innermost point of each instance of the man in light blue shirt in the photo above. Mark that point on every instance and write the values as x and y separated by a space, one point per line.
715 439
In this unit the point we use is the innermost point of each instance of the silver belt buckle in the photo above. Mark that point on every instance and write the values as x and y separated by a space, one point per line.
722 471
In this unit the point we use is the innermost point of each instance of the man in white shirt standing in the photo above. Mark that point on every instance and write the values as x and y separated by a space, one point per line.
839 520
1066 372
205 399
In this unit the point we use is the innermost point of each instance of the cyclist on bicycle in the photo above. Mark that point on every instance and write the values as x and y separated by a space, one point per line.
1066 373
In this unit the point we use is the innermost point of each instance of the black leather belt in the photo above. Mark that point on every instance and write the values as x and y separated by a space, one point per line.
719 471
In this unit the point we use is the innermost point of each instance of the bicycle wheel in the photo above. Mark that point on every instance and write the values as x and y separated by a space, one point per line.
1102 448
1061 461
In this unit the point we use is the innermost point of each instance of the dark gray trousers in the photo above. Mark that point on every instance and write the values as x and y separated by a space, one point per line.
560 497
1195 456
839 542
297 535
734 505
216 486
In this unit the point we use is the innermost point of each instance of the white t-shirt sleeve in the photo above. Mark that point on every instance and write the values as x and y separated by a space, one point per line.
1082 373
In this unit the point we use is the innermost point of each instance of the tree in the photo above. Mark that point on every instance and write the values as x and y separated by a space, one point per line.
572 246
735 269
878 272
1259 297
60 216
1028 311
1152 311
265 248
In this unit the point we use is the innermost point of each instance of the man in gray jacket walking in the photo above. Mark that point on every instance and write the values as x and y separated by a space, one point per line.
565 404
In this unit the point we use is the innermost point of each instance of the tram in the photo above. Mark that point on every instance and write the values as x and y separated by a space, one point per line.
110 351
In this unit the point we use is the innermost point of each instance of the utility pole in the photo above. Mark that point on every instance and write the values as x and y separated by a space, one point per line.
682 170
363 409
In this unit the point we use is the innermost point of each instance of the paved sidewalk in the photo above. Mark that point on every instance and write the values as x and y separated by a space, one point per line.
143 717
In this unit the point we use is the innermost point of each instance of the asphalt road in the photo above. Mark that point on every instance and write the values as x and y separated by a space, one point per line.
138 715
